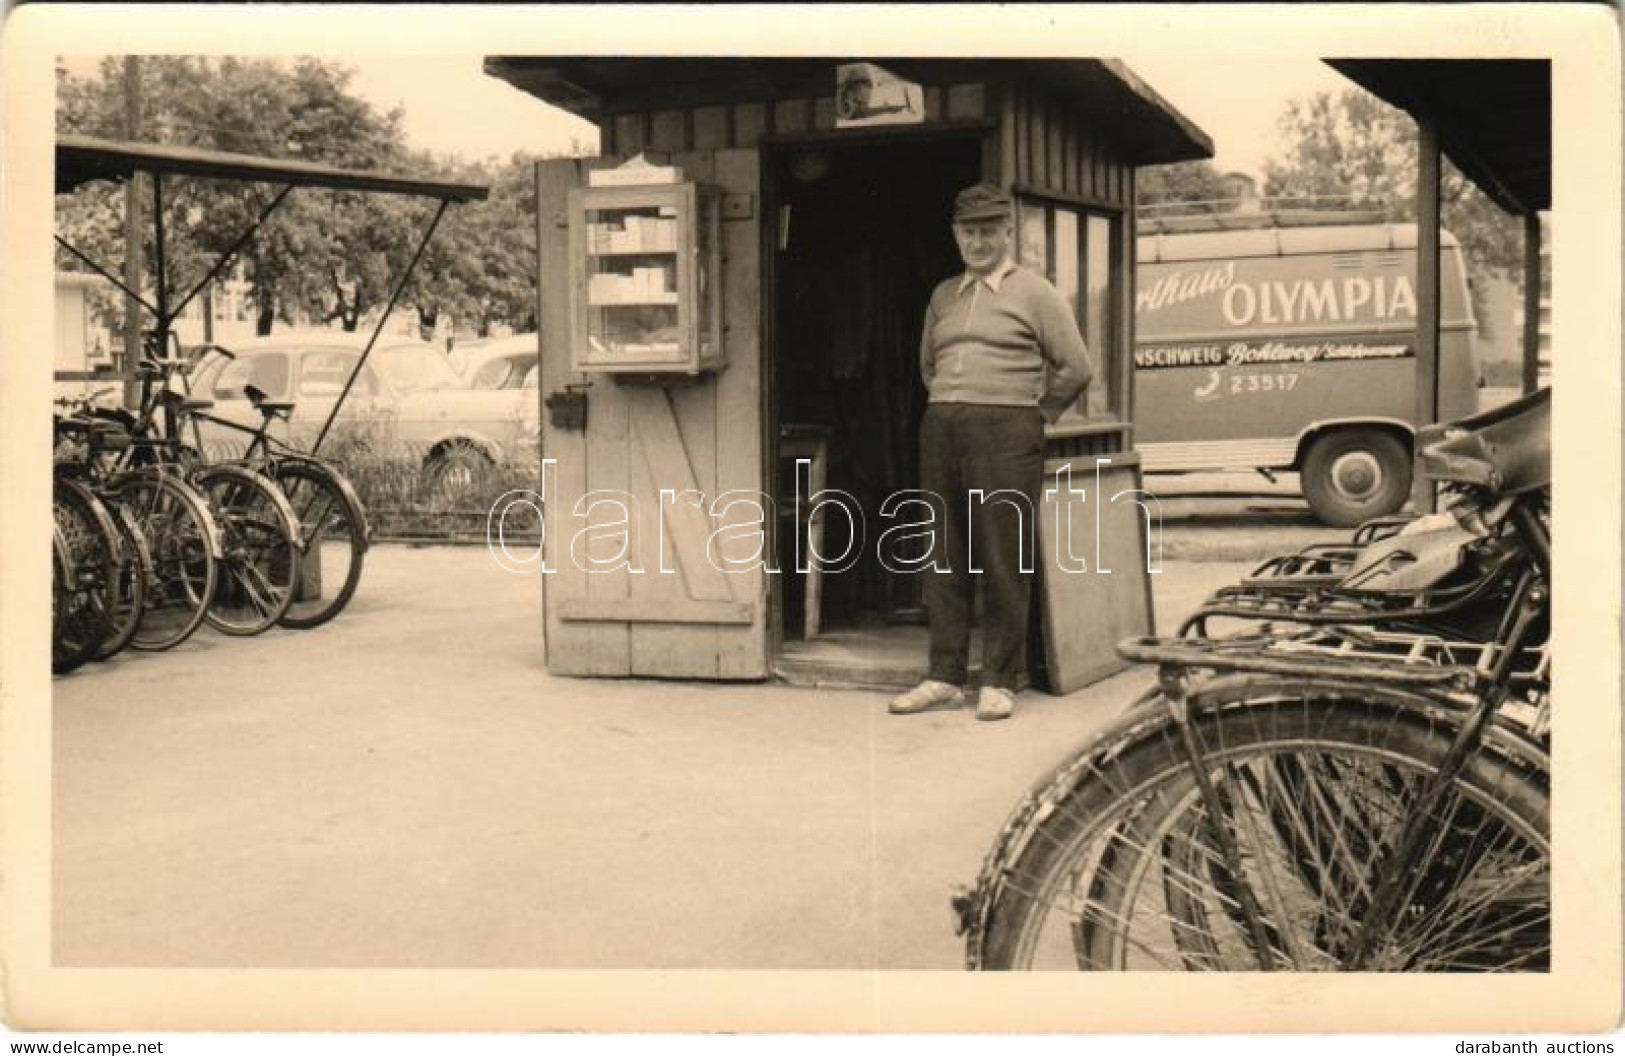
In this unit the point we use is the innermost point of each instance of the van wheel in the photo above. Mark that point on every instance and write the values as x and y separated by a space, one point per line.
1352 475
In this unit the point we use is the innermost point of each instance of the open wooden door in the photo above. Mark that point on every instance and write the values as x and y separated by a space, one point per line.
639 583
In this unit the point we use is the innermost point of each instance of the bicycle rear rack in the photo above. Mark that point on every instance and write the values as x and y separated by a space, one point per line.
1343 652
1281 590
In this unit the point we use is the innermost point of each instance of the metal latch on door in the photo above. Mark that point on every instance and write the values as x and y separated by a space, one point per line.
567 409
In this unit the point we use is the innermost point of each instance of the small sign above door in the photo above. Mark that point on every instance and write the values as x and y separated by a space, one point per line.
866 94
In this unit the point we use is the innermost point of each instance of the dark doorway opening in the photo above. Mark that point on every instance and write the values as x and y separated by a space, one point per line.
860 238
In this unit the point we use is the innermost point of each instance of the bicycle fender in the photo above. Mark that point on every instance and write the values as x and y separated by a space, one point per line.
215 472
99 512
340 481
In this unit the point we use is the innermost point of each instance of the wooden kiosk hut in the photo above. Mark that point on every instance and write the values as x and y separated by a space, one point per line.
730 298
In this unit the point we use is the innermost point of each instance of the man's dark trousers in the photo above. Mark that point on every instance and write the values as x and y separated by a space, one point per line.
989 538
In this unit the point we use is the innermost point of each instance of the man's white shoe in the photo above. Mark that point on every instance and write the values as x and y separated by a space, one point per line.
926 696
994 703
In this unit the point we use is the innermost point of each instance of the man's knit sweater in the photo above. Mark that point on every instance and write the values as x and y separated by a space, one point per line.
989 341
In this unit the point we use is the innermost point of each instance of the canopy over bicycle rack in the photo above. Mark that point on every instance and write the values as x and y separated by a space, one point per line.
1493 119
82 159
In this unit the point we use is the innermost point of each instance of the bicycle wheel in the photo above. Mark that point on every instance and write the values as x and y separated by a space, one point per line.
333 527
1129 870
61 576
135 572
259 544
93 556
184 545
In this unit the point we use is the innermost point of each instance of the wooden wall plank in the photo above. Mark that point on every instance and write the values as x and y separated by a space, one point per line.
1002 169
935 102
1021 116
570 650
712 128
740 411
1038 140
792 115
666 649
750 123
1093 154
661 447
967 102
1086 613
668 130
631 134
1069 156
674 615
1056 152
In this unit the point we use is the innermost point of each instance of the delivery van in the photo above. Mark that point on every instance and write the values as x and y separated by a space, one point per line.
1293 348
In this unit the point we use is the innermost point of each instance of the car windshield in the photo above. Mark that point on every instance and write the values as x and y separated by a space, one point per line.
416 368
503 372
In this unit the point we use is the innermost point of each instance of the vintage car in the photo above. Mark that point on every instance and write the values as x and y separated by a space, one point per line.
407 401
501 362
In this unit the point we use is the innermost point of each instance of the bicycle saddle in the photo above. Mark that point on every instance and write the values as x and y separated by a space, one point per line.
1411 561
1507 450
269 408
184 403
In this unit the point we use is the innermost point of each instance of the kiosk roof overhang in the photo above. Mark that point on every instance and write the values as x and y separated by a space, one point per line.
1494 117
1103 91
81 159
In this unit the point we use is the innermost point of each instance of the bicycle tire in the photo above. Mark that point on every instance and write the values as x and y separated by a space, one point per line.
327 508
135 572
94 555
1100 866
61 576
260 542
184 545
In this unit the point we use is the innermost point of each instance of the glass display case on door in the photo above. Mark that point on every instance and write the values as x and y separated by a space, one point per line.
645 265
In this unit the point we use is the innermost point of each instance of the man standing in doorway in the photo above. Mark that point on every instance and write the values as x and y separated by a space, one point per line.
1000 354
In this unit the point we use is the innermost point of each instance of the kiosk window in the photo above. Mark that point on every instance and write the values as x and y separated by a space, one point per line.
1074 248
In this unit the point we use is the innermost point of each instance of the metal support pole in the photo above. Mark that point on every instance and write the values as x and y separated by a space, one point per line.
132 235
1427 297
1531 301
394 296
160 281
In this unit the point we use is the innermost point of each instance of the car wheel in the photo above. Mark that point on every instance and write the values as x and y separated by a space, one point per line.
454 472
1352 475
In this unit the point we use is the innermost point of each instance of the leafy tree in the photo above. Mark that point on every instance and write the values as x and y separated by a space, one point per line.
329 256
1186 181
506 248
1354 147
480 266
254 106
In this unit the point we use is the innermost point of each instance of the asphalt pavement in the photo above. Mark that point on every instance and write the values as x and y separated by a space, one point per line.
409 787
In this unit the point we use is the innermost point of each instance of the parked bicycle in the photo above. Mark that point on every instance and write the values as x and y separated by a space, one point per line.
256 548
334 532
104 544
1354 778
